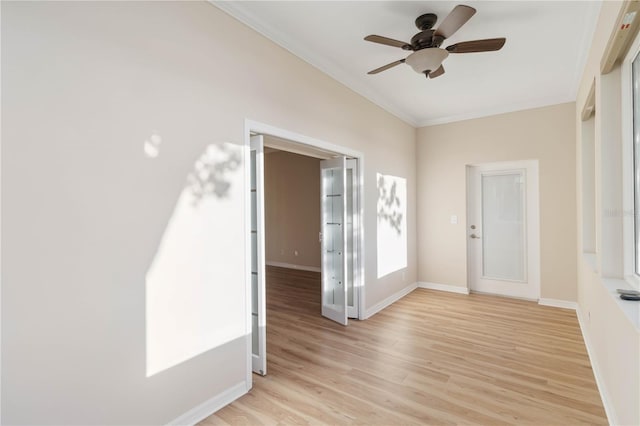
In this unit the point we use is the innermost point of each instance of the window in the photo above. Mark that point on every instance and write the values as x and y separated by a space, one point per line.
631 163
588 151
635 78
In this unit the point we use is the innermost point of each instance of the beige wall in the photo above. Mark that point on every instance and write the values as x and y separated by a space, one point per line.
84 84
546 134
612 337
292 209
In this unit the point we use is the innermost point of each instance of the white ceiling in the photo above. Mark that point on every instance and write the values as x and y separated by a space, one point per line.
540 64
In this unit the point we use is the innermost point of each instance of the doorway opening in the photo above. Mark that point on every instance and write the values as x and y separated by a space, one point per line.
503 229
341 239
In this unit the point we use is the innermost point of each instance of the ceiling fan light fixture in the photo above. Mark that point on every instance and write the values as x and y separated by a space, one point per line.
428 59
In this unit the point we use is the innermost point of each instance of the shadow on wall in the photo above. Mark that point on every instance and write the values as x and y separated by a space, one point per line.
211 170
192 298
389 206
392 224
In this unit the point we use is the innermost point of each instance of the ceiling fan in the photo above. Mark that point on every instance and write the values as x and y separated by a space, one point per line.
427 56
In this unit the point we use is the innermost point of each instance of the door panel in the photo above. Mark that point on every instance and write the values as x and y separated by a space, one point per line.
258 302
333 178
352 239
503 229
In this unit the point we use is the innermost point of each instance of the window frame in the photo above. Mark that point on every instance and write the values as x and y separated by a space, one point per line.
630 161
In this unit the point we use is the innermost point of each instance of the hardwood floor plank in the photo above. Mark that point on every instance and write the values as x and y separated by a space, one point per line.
430 358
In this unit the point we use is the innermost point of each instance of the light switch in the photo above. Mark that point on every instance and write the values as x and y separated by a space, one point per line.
454 220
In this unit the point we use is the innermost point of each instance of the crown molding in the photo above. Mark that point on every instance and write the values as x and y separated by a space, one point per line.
235 10
488 112
333 70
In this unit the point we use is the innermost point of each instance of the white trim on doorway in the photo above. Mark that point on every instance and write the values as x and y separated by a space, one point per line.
476 280
255 127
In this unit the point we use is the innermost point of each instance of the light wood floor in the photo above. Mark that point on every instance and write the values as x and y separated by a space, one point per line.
430 358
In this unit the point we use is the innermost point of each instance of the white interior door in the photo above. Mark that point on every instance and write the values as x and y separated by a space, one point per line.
258 298
333 194
353 291
503 230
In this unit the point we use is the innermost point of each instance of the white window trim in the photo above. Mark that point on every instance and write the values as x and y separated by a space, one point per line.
628 207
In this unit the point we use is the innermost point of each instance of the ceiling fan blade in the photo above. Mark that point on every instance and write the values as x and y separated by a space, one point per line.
487 45
457 18
386 67
437 73
388 41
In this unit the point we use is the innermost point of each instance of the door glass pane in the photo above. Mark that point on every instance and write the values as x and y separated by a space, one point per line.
636 158
254 259
349 249
503 227
255 349
332 204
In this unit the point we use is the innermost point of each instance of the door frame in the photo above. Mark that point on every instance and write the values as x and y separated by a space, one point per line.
251 126
532 215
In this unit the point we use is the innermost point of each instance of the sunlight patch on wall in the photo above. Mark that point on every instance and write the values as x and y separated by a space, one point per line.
392 224
192 294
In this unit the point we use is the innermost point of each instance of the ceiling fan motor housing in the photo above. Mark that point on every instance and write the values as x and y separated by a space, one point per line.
426 21
422 40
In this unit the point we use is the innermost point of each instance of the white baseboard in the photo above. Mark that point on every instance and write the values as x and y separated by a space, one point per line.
444 287
210 406
604 395
292 266
389 300
557 303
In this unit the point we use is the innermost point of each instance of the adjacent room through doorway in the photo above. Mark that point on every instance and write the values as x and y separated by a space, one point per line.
305 225
292 210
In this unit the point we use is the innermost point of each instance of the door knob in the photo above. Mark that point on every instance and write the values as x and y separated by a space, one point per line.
474 236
